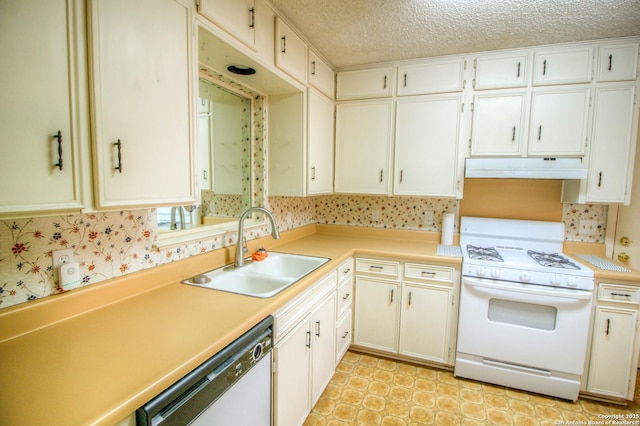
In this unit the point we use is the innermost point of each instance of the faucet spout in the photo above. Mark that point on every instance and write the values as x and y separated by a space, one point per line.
239 261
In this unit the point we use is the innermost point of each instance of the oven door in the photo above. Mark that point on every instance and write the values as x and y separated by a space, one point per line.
529 325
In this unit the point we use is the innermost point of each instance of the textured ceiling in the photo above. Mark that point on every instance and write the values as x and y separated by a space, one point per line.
355 32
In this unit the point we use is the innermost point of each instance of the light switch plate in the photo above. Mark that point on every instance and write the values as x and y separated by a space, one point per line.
588 227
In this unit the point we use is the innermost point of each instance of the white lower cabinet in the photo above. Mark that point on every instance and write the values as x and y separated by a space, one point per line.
615 341
412 313
304 351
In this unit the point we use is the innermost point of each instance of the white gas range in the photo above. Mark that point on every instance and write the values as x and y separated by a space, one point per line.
525 307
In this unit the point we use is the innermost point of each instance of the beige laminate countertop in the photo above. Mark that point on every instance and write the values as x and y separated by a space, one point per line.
94 355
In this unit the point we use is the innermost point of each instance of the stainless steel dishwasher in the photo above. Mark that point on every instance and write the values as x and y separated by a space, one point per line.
231 388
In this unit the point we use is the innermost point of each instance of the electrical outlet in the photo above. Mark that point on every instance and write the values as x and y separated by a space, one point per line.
60 257
588 227
428 218
375 215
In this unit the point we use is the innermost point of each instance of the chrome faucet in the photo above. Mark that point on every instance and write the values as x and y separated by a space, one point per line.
240 248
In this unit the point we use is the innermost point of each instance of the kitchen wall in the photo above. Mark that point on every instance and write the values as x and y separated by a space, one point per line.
111 244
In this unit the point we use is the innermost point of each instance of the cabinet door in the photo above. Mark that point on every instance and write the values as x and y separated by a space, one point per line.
425 322
611 145
343 335
237 17
562 66
359 84
376 313
320 144
435 76
427 136
40 46
558 124
292 377
323 354
498 124
142 85
291 52
499 72
612 351
618 62
363 147
321 76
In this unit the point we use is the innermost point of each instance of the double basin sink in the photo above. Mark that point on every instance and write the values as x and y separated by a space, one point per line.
264 278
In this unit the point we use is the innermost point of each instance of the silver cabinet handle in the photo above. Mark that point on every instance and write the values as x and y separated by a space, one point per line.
317 328
381 176
376 267
599 179
429 273
346 333
405 79
313 67
384 85
513 134
544 67
284 44
540 132
610 61
409 298
313 173
308 339
401 175
518 74
391 299
251 18
608 326
625 295
346 296
346 271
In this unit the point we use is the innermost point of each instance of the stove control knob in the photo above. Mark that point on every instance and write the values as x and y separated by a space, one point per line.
525 276
573 282
481 271
495 273
555 279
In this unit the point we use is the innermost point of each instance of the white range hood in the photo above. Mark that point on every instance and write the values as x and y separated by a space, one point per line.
525 168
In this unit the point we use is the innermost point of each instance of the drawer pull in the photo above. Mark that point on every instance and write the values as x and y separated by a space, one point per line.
346 296
376 268
391 300
409 298
346 271
427 273
625 295
608 324
346 333
58 138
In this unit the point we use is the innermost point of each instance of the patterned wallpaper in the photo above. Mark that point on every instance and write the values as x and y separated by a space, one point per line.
113 244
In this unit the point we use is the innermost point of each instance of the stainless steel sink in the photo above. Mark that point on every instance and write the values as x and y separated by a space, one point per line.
260 279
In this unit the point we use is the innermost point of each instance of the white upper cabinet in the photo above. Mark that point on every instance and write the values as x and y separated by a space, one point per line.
291 52
320 144
612 141
427 141
618 62
360 84
43 79
432 76
558 123
321 76
238 17
363 147
143 86
562 66
499 123
501 71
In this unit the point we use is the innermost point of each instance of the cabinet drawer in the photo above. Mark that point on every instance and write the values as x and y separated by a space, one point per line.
343 335
428 272
345 270
378 267
345 296
618 293
288 316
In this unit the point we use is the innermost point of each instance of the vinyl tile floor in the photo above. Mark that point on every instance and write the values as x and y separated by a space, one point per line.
369 390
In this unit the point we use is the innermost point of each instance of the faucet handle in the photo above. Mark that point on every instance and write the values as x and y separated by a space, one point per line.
245 249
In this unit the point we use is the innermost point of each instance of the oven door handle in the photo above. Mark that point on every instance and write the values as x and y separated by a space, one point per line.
529 289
